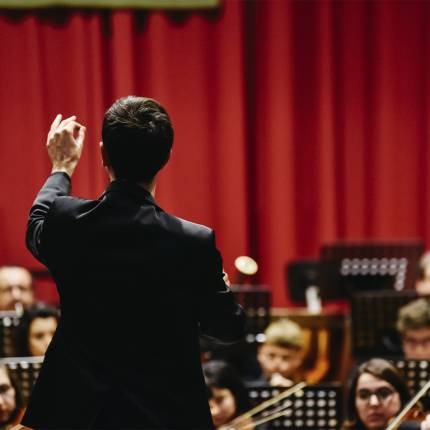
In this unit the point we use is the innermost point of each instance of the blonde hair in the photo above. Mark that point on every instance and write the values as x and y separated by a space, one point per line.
414 315
285 333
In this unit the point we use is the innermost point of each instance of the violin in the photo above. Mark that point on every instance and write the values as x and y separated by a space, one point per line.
411 412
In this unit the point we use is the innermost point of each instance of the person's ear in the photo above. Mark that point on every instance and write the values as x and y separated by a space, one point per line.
105 158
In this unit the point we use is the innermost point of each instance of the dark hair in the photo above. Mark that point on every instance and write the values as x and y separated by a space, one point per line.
219 374
137 137
379 368
37 310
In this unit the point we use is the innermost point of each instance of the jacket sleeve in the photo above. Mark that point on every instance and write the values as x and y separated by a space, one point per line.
58 184
222 320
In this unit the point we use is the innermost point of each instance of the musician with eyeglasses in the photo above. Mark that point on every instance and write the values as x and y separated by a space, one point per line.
377 392
16 288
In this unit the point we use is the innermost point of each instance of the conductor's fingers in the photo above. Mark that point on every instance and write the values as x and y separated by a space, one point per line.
81 135
63 124
56 122
72 126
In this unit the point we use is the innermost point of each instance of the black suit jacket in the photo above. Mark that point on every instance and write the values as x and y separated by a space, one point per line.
137 287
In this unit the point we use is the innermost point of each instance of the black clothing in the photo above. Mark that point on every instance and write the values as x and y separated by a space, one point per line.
410 425
406 425
137 287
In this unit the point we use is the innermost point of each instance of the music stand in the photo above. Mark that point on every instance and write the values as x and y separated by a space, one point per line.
25 371
257 301
316 407
299 276
416 374
373 322
349 267
9 324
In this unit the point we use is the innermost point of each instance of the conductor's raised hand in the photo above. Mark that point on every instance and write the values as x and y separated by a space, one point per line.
65 142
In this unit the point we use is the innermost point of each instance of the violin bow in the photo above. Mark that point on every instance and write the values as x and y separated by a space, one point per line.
239 422
396 421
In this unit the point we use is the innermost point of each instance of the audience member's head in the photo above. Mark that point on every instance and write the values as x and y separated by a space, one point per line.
10 399
422 284
413 323
16 287
38 325
282 351
227 394
137 139
377 392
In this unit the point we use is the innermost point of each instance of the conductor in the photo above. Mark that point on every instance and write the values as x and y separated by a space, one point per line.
137 286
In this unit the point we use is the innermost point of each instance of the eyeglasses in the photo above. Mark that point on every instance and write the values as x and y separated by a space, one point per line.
382 394
9 288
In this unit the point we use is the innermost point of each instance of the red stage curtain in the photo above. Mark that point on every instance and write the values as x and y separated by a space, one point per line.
296 122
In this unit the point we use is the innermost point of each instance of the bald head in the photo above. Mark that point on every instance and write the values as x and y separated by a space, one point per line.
16 287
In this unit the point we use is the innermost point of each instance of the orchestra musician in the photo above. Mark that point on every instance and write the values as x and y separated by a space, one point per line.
377 392
422 284
16 288
128 272
228 396
11 407
413 324
37 327
281 355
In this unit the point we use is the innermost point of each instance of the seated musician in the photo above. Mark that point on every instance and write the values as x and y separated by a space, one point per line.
228 397
281 355
413 323
377 392
38 325
422 284
10 400
16 288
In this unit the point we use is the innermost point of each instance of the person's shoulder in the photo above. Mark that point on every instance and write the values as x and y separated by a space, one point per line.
69 208
188 228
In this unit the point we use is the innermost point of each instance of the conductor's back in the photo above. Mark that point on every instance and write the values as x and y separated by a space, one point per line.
137 286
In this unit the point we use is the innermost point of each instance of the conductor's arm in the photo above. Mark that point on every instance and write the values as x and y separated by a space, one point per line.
64 144
221 318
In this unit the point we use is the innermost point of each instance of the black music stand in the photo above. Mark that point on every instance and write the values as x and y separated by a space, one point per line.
25 371
373 322
257 301
9 324
299 276
416 374
349 267
316 407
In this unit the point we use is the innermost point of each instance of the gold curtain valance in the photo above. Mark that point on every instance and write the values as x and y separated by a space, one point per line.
144 4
